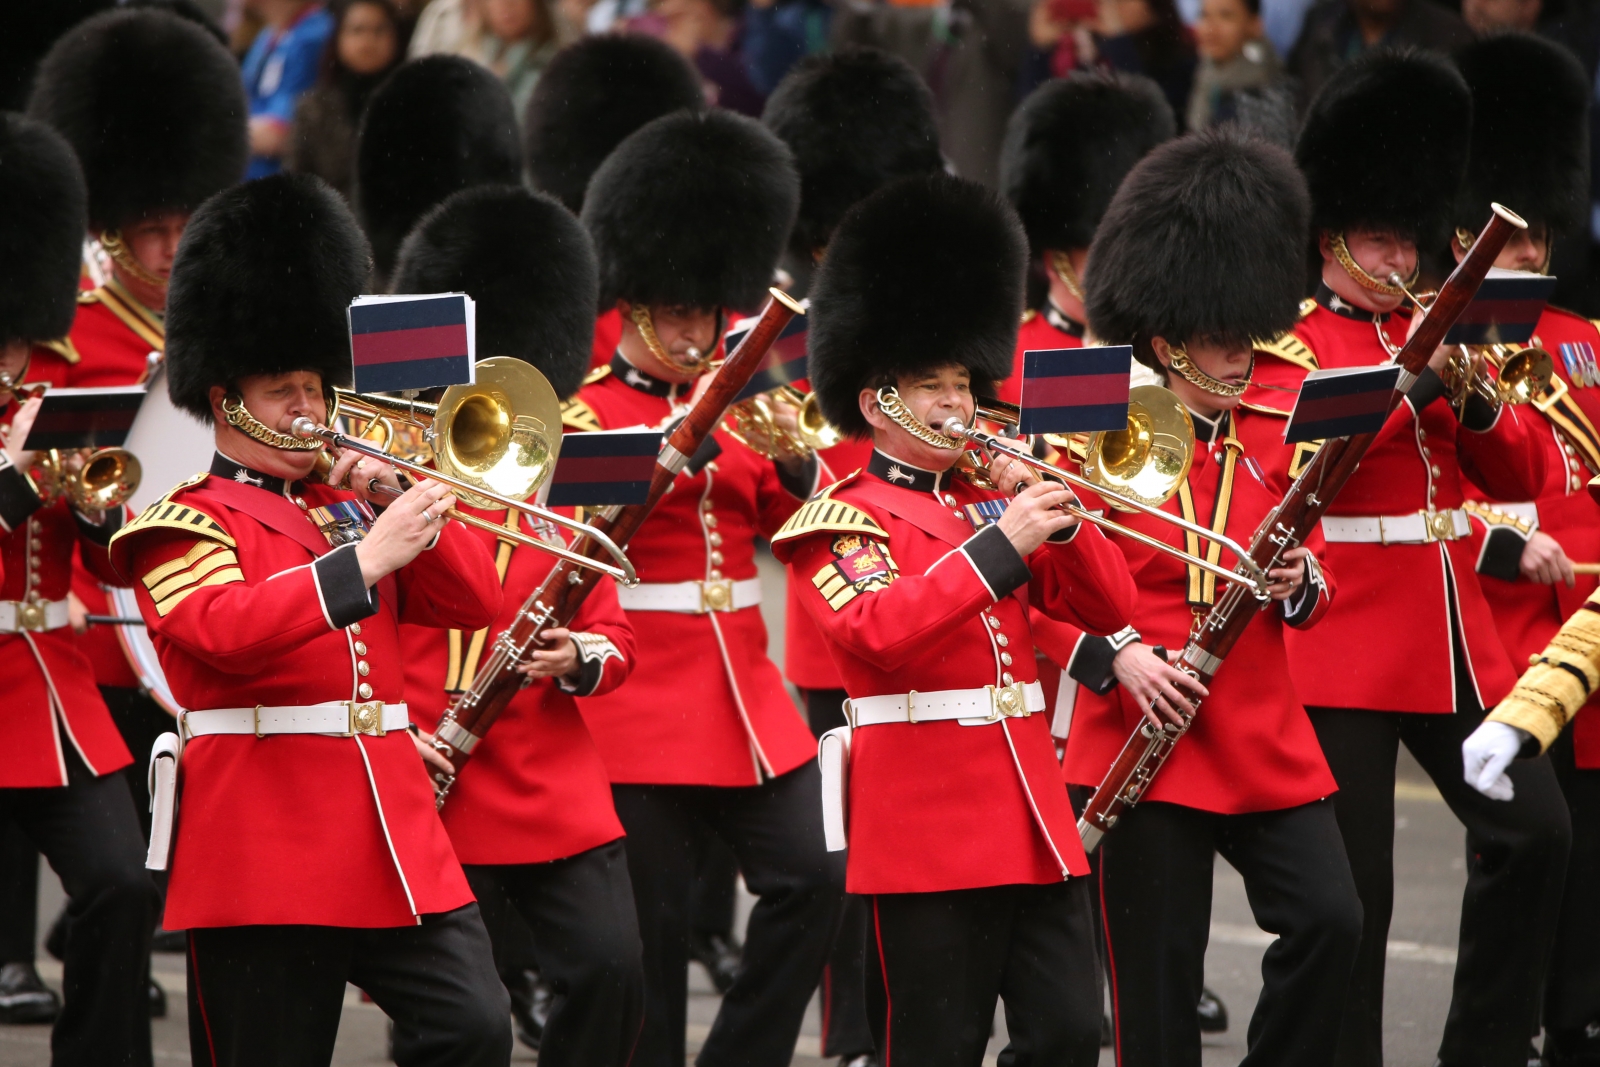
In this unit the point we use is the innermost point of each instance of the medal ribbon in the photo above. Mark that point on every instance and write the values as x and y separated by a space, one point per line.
1203 584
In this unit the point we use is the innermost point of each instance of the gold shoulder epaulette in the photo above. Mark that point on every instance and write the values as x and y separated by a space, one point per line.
1290 349
576 415
1307 306
168 514
1596 324
1304 451
1029 315
64 348
596 374
88 296
1490 515
824 514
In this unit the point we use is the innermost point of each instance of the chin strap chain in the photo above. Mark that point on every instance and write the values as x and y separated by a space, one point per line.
1195 376
890 403
239 418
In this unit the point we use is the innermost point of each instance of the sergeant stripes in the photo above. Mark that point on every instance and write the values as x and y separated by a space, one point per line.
207 563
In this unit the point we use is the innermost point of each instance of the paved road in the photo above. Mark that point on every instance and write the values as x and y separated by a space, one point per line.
1430 871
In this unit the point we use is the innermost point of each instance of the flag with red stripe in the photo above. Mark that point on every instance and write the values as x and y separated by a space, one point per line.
411 342
1342 402
1068 390
1505 309
785 362
85 418
605 467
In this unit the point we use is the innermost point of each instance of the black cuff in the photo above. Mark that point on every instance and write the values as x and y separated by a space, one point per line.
344 593
805 484
1478 415
99 533
1501 556
1312 589
1425 390
997 561
1091 661
17 498
709 450
593 652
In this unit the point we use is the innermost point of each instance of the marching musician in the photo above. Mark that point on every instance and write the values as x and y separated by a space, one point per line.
959 829
307 852
1533 95
1410 653
58 783
532 817
688 217
1249 779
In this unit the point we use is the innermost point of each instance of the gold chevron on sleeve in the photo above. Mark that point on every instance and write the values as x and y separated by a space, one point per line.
824 514
168 514
576 415
207 563
834 589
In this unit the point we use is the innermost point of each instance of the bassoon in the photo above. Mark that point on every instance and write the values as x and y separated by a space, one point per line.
1285 527
564 589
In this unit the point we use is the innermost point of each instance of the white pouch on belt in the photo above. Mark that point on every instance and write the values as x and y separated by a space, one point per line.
163 799
833 757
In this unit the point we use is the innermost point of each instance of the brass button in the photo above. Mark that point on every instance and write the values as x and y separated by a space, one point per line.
705 505
712 466
364 691
1005 658
1435 470
958 514
1002 640
362 668
300 503
711 520
1006 677
1422 435
1425 452
994 622
361 648
716 558
949 499
715 539
715 575
355 628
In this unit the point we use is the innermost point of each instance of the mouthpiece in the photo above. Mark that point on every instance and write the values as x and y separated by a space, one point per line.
1395 280
303 427
692 352
952 428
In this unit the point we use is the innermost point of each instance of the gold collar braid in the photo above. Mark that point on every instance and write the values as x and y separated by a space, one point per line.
1359 273
890 403
1192 373
123 257
698 363
239 418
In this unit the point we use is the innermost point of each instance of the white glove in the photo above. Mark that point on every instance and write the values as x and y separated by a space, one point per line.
1487 753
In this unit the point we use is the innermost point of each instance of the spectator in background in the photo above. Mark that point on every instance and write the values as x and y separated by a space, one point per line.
1337 31
517 41
279 68
709 34
1240 78
780 33
1147 37
365 47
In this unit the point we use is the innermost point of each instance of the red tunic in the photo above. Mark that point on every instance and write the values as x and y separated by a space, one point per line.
938 805
1528 614
297 828
607 335
1399 591
705 706
116 336
806 662
1041 330
536 789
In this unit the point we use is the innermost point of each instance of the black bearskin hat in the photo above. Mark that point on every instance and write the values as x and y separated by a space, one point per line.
1069 146
1205 239
1384 145
526 263
153 106
594 94
692 210
435 126
923 272
262 284
41 231
855 120
1530 132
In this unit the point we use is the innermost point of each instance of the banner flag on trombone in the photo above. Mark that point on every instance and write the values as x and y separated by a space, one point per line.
412 342
605 467
1072 390
85 418
785 362
1342 402
1505 309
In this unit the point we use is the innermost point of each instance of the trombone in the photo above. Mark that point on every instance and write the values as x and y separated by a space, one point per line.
494 441
1136 469
755 424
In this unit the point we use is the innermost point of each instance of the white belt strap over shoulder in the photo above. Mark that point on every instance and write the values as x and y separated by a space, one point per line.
33 615
337 718
970 707
691 598
1417 528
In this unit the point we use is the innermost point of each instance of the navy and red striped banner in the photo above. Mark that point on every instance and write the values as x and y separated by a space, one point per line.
1071 390
411 342
1504 311
1342 403
606 467
85 418
785 362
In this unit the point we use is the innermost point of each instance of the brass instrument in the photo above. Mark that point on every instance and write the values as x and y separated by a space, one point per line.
755 424
93 479
1519 375
495 442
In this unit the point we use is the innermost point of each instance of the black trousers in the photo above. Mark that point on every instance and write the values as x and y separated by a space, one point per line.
715 893
946 957
1572 985
271 996
88 832
775 830
19 895
1155 884
1516 862
586 945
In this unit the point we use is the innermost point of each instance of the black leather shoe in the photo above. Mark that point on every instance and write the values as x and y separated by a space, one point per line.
24 998
718 956
1574 1048
865 1059
158 1000
1213 1013
530 1005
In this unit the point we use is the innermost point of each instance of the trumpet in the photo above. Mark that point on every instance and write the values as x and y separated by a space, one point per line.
93 479
755 424
1135 469
495 442
1519 375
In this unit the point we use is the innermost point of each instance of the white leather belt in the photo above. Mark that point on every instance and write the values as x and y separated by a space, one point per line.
970 707
1417 528
34 615
340 718
691 598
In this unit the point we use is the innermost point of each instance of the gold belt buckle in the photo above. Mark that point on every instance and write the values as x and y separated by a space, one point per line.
716 595
30 615
1441 525
366 717
1008 702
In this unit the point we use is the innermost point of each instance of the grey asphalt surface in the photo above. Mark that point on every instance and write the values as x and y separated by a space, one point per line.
1430 871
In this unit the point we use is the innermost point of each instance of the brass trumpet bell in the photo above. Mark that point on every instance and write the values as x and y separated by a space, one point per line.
92 479
1149 460
1524 375
754 422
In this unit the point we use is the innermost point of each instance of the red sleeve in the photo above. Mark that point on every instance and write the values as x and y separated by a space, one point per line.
1505 459
1085 581
453 585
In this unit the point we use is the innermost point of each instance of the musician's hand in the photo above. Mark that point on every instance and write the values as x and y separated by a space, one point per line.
77 614
1011 474
1031 517
1155 685
430 755
560 660
1545 561
353 471
21 423
1288 579
405 528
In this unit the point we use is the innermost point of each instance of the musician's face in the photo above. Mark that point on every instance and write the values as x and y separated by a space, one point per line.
686 333
276 400
1226 363
1379 253
932 396
153 242
1527 250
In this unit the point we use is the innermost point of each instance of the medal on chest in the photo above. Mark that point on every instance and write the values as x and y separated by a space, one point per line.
344 522
1579 359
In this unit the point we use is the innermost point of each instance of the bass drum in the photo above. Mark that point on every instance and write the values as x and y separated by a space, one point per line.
135 642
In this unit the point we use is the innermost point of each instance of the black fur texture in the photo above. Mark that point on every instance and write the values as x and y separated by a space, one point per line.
41 230
594 94
262 284
1070 144
1530 133
437 125
154 108
924 272
855 120
1384 146
692 210
528 265
1204 241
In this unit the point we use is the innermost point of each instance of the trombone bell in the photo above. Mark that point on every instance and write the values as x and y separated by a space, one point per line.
1149 460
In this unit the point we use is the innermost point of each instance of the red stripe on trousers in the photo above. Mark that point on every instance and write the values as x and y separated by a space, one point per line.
888 1000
